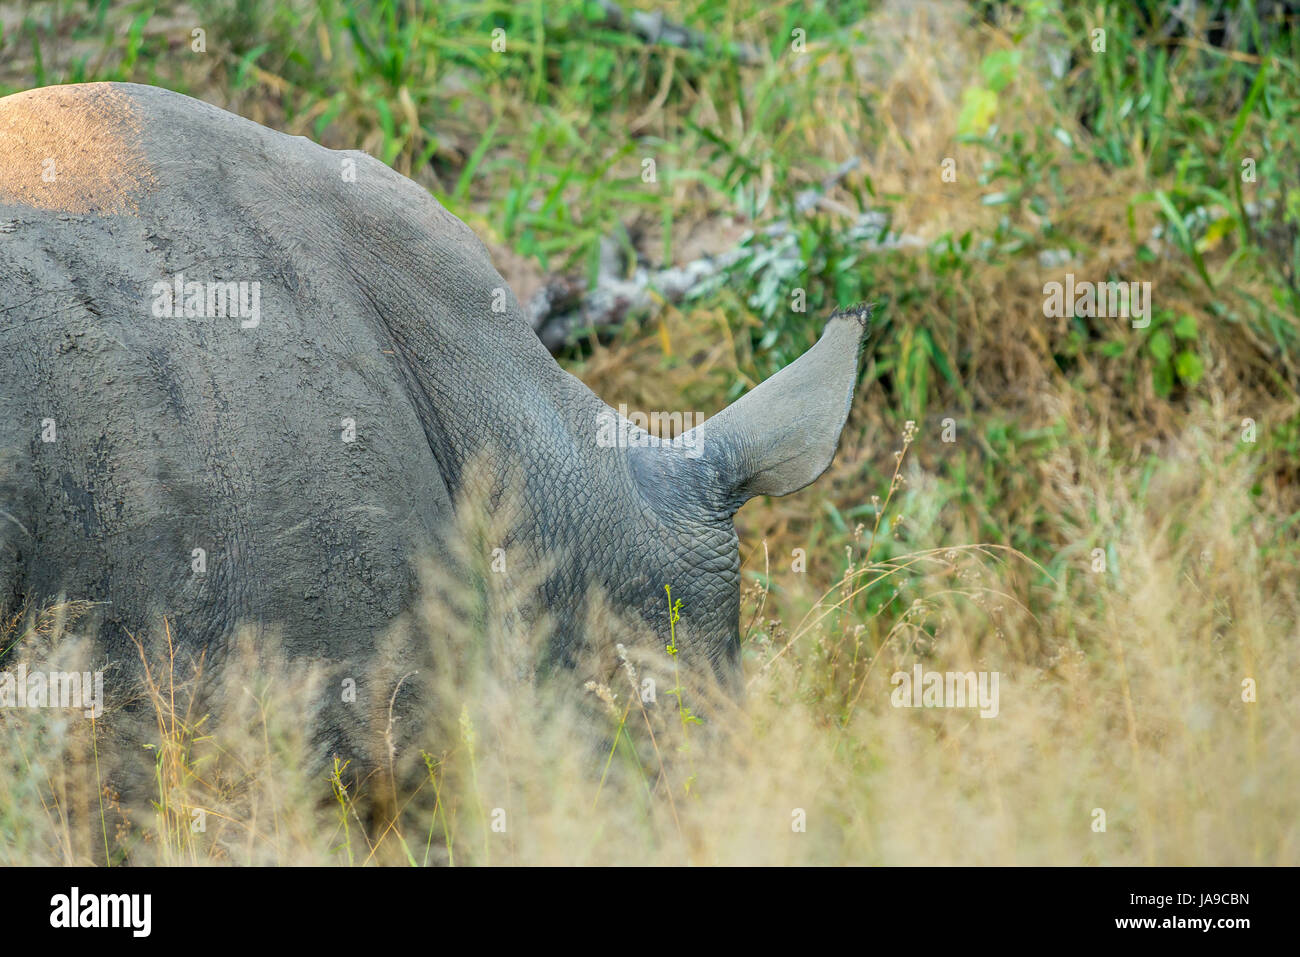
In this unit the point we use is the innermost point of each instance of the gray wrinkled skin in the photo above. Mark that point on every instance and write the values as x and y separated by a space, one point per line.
376 305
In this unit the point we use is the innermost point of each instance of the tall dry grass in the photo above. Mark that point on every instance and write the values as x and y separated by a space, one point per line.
1123 692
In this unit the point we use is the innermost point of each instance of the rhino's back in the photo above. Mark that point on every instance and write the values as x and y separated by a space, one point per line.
136 435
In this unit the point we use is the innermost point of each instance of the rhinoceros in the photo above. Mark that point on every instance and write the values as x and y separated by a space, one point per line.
246 379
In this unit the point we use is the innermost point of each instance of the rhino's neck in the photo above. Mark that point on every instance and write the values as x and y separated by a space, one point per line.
521 437
505 422
519 413
482 382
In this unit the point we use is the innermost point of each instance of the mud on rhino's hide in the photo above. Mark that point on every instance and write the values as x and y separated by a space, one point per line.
311 433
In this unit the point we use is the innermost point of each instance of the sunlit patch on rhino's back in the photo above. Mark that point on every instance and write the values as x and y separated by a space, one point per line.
72 149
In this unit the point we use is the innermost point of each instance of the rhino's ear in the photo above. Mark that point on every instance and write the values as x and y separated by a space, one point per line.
782 435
